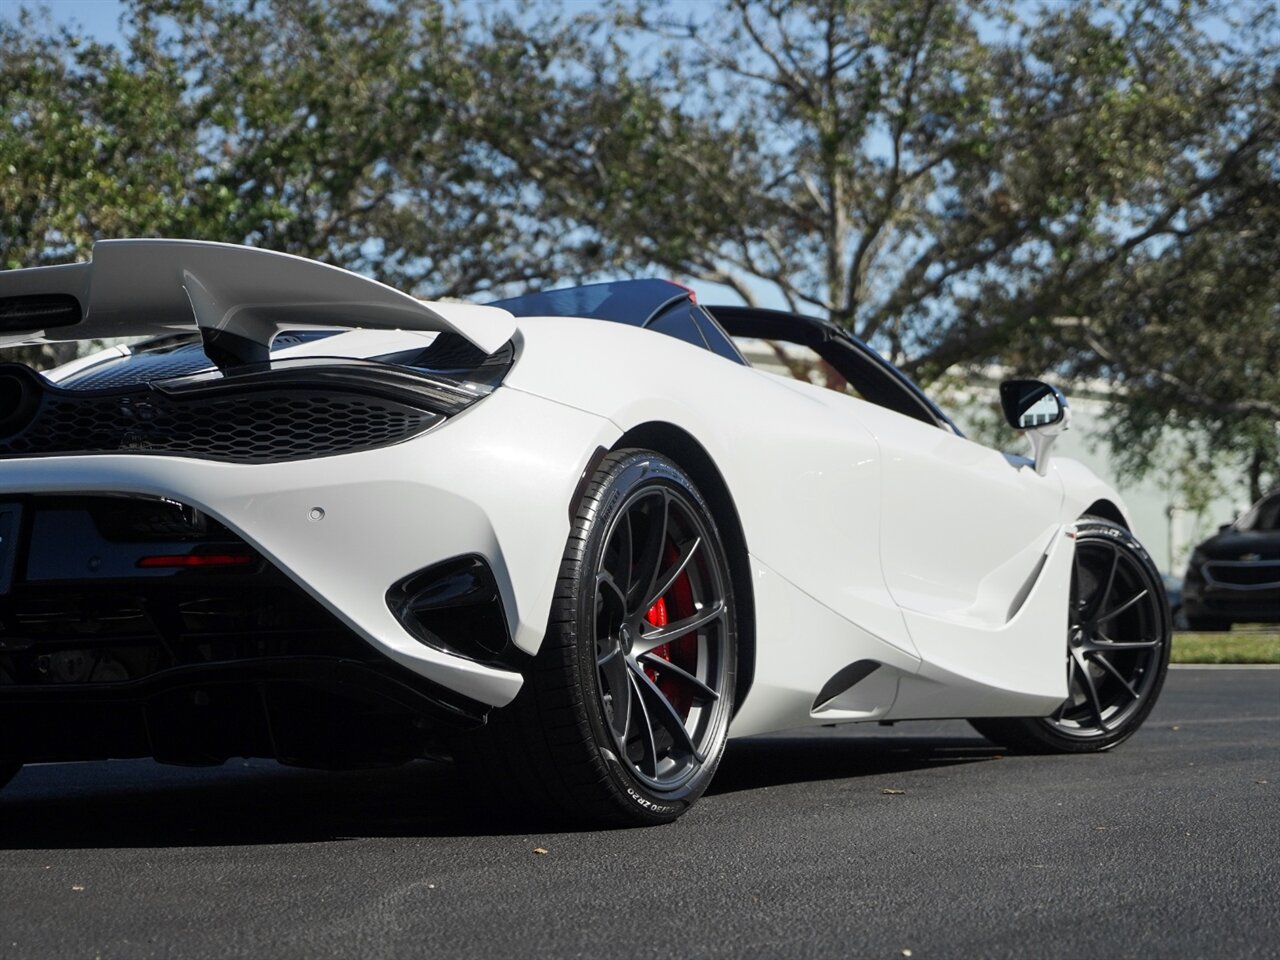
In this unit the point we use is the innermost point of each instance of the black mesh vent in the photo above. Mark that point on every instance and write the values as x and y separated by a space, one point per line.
147 363
143 368
254 427
1251 575
38 312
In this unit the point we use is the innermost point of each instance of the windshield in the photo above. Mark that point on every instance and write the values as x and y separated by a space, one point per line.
1263 515
623 301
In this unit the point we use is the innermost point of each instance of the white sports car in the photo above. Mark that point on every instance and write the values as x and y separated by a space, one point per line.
573 539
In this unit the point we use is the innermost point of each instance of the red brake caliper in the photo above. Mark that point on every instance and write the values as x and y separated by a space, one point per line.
684 648
657 616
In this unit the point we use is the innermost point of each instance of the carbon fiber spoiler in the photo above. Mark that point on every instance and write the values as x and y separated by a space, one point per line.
238 297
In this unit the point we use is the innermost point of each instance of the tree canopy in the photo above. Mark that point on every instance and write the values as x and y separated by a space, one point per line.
1088 189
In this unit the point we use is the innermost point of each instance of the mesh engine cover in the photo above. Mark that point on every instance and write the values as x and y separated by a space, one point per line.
261 426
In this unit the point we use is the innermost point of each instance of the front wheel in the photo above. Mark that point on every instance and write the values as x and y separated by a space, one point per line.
1118 639
623 718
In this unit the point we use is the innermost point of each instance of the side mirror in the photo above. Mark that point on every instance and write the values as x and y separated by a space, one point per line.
1040 410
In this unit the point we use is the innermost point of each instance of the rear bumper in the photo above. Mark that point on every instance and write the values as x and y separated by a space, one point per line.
495 481
309 711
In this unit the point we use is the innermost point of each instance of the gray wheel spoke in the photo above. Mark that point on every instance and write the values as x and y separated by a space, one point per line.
1091 694
626 550
614 667
605 579
668 579
1122 608
1105 594
1106 665
649 566
673 631
645 724
666 713
1108 644
1071 688
701 690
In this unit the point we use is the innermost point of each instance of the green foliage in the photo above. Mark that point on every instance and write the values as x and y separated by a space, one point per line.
1086 189
350 131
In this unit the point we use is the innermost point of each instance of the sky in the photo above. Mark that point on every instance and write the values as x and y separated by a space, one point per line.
100 18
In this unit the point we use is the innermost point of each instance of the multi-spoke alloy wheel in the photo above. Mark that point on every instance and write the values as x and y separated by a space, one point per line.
624 715
1117 648
660 635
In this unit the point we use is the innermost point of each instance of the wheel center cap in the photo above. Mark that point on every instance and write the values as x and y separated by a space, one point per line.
624 634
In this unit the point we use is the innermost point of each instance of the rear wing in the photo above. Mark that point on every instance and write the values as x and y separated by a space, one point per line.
238 298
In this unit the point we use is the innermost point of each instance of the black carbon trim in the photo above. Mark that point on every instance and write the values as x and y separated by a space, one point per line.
292 421
41 311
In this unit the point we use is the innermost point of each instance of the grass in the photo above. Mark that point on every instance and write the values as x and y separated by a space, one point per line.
1239 646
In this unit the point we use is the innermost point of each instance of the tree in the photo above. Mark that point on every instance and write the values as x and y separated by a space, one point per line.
1190 336
947 180
333 129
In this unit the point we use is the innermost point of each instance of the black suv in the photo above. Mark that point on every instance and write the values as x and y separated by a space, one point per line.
1234 576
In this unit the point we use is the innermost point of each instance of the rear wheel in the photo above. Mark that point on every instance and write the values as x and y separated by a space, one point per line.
624 716
1118 631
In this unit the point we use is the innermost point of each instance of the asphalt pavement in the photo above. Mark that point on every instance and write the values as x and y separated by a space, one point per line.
849 842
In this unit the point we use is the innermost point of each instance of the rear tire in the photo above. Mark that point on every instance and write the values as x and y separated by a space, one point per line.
1118 640
621 721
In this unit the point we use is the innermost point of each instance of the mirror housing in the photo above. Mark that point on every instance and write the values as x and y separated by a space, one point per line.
1039 409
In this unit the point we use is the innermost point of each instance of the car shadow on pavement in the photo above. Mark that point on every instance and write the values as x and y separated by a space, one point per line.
137 803
756 763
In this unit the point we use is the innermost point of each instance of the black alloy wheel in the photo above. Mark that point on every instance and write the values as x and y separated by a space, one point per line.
1118 639
623 718
661 613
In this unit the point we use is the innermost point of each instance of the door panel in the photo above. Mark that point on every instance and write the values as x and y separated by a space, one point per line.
963 528
966 534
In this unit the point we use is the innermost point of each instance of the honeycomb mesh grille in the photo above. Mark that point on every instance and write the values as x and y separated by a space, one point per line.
256 427
143 368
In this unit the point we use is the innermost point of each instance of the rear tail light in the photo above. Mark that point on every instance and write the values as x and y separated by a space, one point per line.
195 560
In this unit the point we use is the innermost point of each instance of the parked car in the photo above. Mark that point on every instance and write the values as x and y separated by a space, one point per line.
1234 576
569 537
1173 590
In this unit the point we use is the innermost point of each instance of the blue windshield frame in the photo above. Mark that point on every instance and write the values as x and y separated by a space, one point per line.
633 302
